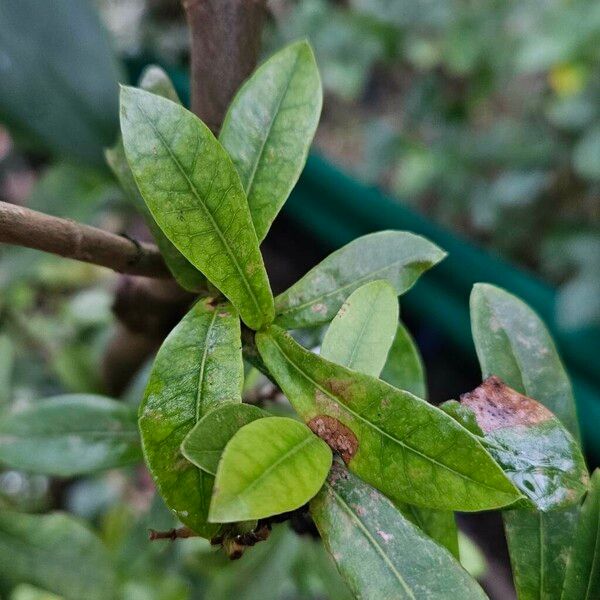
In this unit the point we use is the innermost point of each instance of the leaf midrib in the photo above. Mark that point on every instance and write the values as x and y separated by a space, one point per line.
200 384
193 190
372 425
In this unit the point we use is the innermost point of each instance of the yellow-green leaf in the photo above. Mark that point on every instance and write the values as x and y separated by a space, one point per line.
270 466
195 195
269 128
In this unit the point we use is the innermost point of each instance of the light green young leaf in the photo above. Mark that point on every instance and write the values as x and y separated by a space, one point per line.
269 128
270 466
54 552
154 80
531 445
360 335
410 450
28 592
582 579
70 435
195 195
404 366
375 305
378 551
198 368
513 344
398 257
205 443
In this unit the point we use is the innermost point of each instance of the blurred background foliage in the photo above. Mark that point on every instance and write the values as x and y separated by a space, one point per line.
482 114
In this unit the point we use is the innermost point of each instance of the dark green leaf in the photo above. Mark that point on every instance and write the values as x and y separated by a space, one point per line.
379 552
582 579
59 77
404 367
360 335
410 450
270 466
205 443
269 127
154 80
198 368
396 256
531 445
70 435
54 552
195 195
513 343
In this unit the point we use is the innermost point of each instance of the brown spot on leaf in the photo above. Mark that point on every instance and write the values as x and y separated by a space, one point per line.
496 406
340 438
338 387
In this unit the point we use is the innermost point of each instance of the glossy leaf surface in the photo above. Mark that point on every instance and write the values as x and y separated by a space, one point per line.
197 369
398 257
380 553
360 335
269 128
194 193
270 466
513 343
205 443
410 450
404 367
70 435
531 445
154 80
582 579
54 552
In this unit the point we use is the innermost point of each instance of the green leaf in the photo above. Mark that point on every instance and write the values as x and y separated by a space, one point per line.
154 80
380 553
28 592
270 466
269 128
59 77
531 445
513 343
398 257
362 332
582 579
54 552
70 435
195 195
404 366
539 545
375 305
7 362
205 443
410 450
198 368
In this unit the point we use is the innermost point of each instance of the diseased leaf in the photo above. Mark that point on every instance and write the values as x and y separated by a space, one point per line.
513 344
404 366
582 579
398 257
205 443
54 552
410 450
531 445
198 368
375 305
70 435
270 466
269 128
378 551
155 80
360 335
195 195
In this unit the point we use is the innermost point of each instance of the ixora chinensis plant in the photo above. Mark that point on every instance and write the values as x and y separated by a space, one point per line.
379 470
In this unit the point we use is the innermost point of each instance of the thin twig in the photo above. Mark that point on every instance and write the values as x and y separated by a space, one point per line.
25 227
171 534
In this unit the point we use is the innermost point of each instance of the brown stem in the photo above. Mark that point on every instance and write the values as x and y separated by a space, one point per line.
225 41
24 227
171 534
